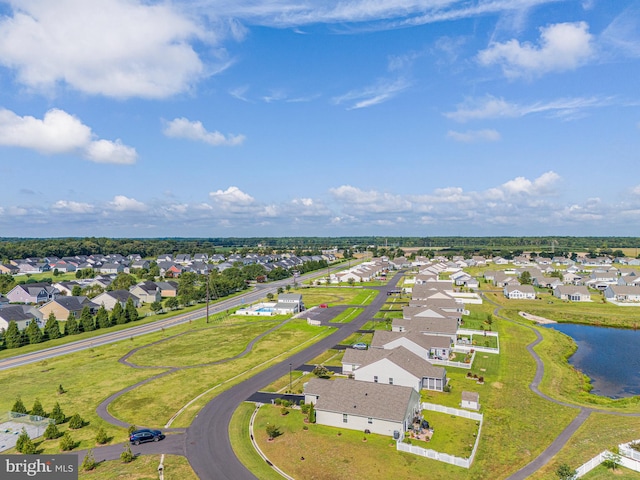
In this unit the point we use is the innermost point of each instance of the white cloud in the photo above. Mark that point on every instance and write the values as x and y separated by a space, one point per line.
232 196
563 46
59 132
121 203
541 185
492 107
73 207
636 190
370 201
369 96
194 130
471 136
123 48
106 151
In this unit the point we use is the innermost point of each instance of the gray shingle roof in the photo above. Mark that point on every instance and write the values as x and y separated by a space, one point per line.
400 356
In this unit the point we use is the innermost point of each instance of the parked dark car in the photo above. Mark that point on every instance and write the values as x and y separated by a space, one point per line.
145 435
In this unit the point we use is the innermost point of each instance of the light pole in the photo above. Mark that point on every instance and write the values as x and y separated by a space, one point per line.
290 391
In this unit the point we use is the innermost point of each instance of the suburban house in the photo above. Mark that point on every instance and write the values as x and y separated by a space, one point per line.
147 292
23 315
32 293
428 312
622 293
450 305
425 346
111 268
573 293
289 303
63 306
168 289
520 292
66 288
378 407
397 366
3 300
446 327
109 299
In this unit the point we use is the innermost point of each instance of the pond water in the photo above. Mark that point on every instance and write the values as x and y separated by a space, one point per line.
610 357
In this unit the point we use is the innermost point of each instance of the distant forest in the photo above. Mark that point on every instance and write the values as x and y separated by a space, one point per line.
15 248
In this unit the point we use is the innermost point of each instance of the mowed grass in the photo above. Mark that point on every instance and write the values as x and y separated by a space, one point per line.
347 315
451 434
603 473
202 346
144 467
319 453
599 432
337 296
164 396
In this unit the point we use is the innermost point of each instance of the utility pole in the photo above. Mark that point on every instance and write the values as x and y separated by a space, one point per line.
207 296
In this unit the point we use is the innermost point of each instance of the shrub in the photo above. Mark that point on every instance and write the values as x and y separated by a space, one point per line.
273 431
278 401
446 388
89 462
101 436
76 422
132 429
127 456
51 432
29 448
284 411
66 442
37 409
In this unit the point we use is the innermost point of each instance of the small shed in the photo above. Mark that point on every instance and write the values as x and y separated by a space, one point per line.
470 400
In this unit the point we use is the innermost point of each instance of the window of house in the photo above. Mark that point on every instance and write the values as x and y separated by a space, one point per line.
390 381
369 420
375 379
344 418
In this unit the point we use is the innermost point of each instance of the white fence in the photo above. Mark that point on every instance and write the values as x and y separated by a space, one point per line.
445 457
591 464
479 348
628 458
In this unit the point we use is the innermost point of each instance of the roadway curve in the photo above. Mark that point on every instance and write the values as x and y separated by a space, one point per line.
208 447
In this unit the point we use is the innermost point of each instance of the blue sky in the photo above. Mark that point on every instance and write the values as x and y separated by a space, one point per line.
216 118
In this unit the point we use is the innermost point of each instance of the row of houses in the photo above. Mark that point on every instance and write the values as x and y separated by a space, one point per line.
383 394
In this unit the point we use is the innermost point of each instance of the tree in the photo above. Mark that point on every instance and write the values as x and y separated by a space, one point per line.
57 414
118 316
127 456
101 436
51 328
86 320
33 333
270 296
89 462
564 472
13 337
102 318
171 303
18 406
156 307
51 432
37 409
311 415
122 282
525 278
66 442
22 439
273 431
76 291
130 311
351 282
76 422
612 461
71 327
280 290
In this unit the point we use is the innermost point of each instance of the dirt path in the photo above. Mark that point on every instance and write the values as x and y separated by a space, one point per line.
537 319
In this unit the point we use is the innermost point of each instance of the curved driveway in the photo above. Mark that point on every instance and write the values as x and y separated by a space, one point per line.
208 447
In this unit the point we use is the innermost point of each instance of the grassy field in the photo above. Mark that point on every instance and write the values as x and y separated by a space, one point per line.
348 315
144 467
165 396
451 434
337 296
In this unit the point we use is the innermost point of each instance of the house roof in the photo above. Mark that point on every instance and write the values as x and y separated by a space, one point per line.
18 313
72 303
383 337
365 399
448 326
400 356
470 396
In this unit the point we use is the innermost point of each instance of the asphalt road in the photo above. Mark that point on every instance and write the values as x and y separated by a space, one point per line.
208 447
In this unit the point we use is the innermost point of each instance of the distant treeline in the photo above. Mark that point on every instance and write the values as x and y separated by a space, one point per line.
14 248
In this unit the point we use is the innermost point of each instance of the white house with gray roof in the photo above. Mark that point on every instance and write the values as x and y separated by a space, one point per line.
520 292
378 407
397 366
424 346
573 293
446 327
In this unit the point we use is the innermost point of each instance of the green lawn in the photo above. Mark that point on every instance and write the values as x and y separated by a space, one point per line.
337 296
348 315
451 434
144 467
603 473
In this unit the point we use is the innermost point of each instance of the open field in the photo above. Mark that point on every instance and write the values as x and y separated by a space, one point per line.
348 315
337 296
144 467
